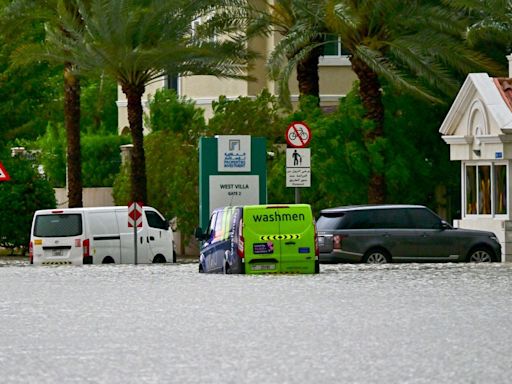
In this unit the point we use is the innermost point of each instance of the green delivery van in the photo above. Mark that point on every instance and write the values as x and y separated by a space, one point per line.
256 239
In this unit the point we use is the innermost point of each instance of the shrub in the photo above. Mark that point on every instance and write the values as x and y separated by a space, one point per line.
26 192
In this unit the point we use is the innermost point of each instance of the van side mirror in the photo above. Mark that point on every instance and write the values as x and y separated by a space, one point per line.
198 234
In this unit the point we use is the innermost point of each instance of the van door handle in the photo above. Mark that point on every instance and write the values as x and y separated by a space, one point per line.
290 243
151 238
141 240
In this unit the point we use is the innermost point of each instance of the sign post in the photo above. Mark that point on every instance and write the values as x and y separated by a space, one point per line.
298 157
4 176
135 221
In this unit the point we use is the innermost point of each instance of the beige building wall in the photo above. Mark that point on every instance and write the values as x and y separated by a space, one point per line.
336 79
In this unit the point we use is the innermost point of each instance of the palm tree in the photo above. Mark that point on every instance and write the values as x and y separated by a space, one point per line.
137 41
490 25
46 11
289 17
416 46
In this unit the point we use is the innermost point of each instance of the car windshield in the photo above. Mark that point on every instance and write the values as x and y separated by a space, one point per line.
58 225
330 221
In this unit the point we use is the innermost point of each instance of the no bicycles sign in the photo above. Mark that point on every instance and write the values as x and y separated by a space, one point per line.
298 135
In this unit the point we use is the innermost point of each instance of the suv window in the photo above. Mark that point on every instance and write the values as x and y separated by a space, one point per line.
359 220
424 219
61 225
390 218
330 221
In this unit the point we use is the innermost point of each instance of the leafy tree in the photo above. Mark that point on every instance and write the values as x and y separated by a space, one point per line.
136 41
340 162
172 159
169 112
490 28
49 13
31 95
288 17
52 154
26 192
101 158
418 47
98 97
261 117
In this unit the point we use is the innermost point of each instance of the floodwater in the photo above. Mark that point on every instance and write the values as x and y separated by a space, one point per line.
408 323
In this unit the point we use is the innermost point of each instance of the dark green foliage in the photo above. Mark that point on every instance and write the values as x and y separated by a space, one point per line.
339 161
31 96
416 158
52 154
26 192
172 113
98 105
173 178
101 157
121 186
171 158
260 117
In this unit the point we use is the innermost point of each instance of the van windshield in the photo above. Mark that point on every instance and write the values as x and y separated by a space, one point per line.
60 225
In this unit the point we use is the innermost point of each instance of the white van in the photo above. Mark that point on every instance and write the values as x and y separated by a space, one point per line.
98 235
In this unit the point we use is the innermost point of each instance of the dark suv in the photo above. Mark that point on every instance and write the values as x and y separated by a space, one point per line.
398 233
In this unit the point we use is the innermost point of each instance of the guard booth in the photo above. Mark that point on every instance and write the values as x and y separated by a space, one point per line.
478 128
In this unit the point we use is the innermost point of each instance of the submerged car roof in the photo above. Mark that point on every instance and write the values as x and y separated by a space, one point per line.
348 208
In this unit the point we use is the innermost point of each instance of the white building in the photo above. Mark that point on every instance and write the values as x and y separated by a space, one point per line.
478 129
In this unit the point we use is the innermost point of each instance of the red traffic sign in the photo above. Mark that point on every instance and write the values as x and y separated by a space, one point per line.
298 135
4 176
135 214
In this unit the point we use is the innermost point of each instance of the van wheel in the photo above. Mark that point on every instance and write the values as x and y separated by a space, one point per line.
227 269
158 259
317 266
174 257
108 260
480 255
201 269
376 256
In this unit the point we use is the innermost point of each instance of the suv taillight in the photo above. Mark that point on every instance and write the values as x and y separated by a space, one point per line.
31 253
86 248
336 241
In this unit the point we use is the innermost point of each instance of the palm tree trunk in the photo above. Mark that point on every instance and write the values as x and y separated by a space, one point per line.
138 162
307 75
371 97
72 119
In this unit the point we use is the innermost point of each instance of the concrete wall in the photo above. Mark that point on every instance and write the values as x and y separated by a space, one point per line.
91 197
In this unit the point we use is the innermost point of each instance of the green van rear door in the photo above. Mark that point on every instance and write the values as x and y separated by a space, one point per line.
279 238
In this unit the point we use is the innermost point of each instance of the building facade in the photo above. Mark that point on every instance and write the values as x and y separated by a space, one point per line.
336 79
478 129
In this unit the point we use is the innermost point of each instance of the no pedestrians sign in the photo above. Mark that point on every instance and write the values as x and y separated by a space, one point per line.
4 176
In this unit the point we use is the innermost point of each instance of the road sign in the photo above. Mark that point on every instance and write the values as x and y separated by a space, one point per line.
298 135
4 176
298 167
135 214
